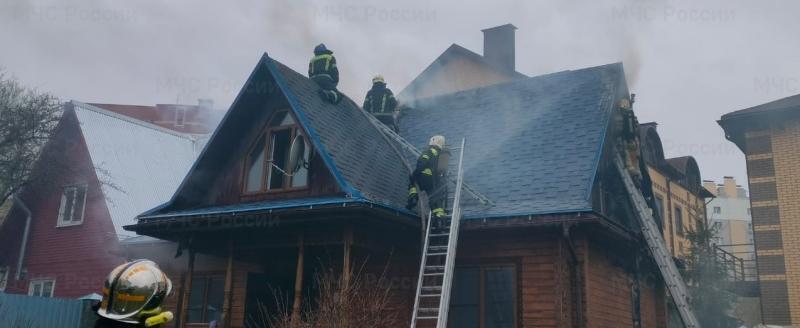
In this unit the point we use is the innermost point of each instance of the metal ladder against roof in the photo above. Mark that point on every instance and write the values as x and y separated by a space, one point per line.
432 300
389 133
657 247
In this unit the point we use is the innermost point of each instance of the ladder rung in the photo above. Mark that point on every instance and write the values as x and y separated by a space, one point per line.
427 318
440 235
428 309
437 248
430 295
435 267
432 288
436 254
434 274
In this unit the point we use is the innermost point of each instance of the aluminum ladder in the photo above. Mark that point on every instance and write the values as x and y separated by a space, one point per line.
657 247
389 133
432 300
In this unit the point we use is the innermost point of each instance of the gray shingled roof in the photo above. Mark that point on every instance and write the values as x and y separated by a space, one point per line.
788 103
367 162
363 163
533 145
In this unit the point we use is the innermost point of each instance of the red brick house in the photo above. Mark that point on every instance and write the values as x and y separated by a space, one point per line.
64 234
559 247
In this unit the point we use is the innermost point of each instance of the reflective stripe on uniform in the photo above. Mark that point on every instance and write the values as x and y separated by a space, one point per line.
427 172
434 151
383 103
412 191
425 156
325 57
438 211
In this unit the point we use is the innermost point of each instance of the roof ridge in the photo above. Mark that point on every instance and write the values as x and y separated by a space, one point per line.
132 120
521 80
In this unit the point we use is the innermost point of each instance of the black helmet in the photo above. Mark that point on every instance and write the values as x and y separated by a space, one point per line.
321 48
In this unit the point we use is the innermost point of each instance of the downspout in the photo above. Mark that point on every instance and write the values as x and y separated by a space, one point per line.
23 245
669 216
576 270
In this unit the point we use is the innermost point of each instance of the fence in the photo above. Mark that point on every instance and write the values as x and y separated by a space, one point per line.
22 311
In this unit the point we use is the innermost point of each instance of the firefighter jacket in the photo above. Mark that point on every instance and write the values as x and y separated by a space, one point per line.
380 100
324 64
426 173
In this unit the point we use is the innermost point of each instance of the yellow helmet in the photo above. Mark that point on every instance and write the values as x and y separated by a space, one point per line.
132 288
378 79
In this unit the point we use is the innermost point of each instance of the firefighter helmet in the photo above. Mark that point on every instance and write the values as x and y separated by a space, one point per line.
437 141
321 49
378 79
132 288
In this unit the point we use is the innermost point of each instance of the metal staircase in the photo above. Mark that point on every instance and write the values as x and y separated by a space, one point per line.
657 247
432 300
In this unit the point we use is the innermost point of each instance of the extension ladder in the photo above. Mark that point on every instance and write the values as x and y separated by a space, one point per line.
432 300
657 247
389 133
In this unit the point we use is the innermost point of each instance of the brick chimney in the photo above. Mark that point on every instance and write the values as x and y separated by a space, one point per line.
729 185
498 46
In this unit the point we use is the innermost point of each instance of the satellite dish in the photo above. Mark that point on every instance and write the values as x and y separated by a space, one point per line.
297 151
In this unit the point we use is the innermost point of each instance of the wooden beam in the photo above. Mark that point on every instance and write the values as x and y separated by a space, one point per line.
298 282
226 305
186 290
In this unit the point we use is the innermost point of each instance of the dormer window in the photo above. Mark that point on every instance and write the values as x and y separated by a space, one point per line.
267 166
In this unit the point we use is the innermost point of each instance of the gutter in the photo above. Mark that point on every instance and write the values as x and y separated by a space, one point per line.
25 233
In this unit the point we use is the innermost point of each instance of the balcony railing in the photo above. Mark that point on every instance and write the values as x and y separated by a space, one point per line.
738 260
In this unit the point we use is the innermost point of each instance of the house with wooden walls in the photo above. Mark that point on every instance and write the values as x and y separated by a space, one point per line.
105 164
559 246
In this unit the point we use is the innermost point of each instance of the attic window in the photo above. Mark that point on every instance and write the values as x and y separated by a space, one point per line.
267 166
73 202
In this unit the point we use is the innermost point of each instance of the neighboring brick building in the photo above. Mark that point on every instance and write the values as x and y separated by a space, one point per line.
769 136
112 162
679 194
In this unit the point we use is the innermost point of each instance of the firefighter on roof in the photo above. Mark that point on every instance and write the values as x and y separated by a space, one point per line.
380 102
322 69
132 297
428 177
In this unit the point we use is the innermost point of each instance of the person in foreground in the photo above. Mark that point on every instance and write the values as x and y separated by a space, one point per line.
132 297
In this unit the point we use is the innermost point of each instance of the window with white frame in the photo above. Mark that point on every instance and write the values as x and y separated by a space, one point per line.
73 202
41 287
3 278
717 210
180 116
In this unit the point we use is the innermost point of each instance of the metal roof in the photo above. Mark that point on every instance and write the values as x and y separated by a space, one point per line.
139 164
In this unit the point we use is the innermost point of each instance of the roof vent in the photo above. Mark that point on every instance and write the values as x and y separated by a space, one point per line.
498 46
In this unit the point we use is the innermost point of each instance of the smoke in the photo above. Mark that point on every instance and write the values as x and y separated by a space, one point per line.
632 61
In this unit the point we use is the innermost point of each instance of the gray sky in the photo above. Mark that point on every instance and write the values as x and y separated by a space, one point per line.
689 62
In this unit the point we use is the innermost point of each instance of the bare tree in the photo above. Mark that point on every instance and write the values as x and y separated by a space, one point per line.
27 121
338 303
